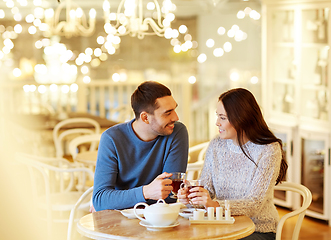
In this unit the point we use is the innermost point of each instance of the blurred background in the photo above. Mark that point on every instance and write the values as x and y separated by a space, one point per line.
59 58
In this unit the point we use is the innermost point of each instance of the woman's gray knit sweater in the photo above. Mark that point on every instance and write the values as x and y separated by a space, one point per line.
229 175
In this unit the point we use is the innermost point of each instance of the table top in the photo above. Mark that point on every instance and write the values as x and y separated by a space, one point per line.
88 157
111 224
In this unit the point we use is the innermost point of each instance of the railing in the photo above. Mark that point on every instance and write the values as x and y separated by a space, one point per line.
107 99
101 97
31 98
203 117
104 98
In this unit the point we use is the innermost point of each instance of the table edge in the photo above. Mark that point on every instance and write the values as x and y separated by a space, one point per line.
96 235
104 236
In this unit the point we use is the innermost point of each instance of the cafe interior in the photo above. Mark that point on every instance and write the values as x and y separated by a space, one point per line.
69 67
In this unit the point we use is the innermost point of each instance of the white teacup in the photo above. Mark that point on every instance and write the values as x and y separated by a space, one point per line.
199 214
159 214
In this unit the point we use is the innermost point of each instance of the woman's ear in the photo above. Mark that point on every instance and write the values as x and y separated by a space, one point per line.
144 117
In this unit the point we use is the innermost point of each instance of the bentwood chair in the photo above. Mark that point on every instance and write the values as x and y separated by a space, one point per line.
90 143
91 139
193 169
73 212
60 136
300 212
53 184
121 113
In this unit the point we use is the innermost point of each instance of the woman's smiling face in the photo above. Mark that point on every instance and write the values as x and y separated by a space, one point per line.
225 128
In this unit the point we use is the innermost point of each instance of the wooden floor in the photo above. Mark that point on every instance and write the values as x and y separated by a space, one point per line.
311 229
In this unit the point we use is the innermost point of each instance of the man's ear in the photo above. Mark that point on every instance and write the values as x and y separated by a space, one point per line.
144 117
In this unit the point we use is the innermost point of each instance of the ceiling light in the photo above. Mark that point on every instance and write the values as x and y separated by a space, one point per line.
75 23
131 20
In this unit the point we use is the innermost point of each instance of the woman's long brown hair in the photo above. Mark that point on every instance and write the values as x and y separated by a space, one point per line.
245 116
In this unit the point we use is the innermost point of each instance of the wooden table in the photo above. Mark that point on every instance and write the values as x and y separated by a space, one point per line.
111 224
87 158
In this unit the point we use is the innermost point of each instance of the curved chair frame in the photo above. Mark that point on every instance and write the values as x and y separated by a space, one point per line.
196 166
121 113
58 138
74 210
44 195
307 198
90 138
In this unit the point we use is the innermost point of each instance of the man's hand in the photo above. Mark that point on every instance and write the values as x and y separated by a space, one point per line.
159 188
92 209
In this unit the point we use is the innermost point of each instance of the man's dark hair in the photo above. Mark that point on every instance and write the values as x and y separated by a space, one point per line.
144 97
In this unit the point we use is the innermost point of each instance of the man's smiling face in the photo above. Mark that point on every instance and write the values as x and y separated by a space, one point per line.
164 117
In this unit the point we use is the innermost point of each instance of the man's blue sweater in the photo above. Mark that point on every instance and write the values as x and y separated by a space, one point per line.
125 163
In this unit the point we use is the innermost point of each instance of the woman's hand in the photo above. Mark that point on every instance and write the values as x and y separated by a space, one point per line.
182 195
200 196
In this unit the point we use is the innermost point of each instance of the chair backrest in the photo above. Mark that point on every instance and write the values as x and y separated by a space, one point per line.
59 138
93 139
73 212
121 113
193 170
49 179
306 201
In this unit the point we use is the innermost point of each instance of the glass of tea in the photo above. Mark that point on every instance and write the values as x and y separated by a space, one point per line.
192 184
177 179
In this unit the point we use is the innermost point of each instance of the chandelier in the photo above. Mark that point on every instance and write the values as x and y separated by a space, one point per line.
75 23
56 70
139 18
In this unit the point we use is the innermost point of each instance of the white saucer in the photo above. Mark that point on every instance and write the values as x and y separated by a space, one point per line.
186 213
157 228
129 213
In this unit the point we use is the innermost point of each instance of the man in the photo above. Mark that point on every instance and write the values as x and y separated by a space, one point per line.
135 159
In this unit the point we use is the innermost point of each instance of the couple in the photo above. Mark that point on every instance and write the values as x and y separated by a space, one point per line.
242 163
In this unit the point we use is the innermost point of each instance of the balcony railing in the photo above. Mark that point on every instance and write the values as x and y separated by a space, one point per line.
107 99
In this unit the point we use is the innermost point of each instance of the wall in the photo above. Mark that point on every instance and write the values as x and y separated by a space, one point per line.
245 55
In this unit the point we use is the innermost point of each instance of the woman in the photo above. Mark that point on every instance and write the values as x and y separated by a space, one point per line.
243 164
